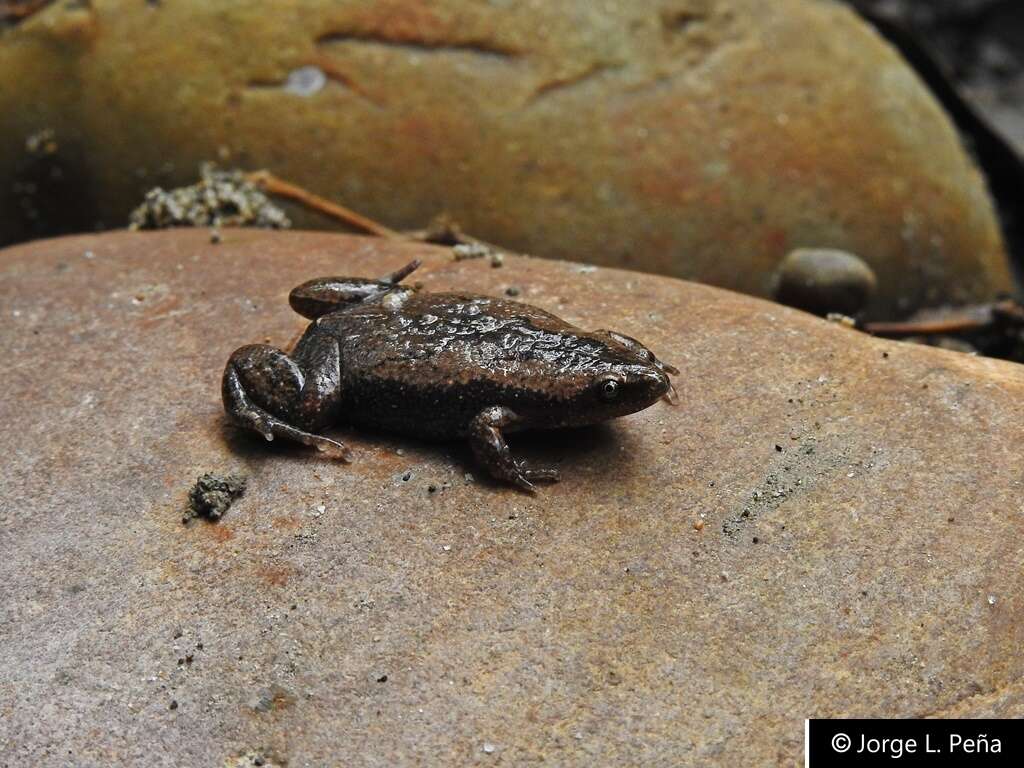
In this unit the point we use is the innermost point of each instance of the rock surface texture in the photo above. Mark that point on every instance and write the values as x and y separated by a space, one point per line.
703 139
827 525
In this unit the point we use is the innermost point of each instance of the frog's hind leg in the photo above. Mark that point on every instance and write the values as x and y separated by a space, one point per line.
317 297
492 451
263 390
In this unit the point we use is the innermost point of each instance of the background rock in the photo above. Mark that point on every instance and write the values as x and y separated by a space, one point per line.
980 43
859 556
698 138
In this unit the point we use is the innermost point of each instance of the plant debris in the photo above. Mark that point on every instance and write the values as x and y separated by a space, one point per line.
463 251
220 198
213 494
271 184
995 329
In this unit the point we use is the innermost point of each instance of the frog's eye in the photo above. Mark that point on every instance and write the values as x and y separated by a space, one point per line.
609 389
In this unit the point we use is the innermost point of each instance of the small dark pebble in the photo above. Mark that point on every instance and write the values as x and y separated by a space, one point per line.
407 477
174 705
382 679
825 281
755 540
431 489
778 448
511 291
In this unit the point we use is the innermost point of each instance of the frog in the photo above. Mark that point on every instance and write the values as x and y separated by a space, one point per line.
386 355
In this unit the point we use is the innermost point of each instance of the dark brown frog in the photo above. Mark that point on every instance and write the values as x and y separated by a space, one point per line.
440 366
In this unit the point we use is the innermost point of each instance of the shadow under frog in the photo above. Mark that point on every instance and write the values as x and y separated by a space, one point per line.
441 366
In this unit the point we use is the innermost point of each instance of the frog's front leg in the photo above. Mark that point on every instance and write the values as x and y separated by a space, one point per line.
492 451
265 390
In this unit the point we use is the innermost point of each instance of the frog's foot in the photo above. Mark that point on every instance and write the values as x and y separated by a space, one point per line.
258 368
492 451
315 298
271 428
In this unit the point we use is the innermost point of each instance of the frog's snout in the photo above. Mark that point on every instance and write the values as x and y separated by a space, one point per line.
659 387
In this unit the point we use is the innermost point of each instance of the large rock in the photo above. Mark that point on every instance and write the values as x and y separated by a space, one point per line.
860 552
700 138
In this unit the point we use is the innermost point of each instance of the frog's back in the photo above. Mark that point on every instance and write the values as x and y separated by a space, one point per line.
428 364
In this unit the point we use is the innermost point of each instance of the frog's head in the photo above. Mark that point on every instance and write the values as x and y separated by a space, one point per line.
621 380
624 388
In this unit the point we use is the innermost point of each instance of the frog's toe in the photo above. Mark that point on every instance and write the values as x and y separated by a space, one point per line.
542 474
270 427
524 484
525 476
265 428
333 448
670 369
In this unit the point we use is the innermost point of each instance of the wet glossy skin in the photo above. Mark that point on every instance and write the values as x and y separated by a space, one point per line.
437 365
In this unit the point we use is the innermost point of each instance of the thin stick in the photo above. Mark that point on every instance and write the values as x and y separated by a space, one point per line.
1004 313
275 186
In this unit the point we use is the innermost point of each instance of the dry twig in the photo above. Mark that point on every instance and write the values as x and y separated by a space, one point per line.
271 184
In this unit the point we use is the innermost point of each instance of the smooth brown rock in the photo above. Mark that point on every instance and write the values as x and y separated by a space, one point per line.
701 138
343 615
